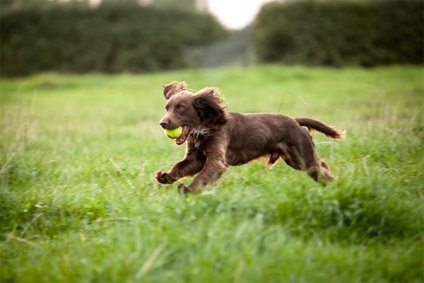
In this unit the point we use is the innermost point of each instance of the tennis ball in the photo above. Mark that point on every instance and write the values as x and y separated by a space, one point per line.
174 133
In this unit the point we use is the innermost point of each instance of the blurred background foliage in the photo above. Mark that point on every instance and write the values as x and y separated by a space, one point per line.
124 36
339 33
113 37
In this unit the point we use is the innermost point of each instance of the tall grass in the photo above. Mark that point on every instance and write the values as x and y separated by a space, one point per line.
79 202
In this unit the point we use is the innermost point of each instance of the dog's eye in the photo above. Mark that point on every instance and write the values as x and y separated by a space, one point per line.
180 108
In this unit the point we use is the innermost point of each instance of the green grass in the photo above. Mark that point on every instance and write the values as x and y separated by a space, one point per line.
79 202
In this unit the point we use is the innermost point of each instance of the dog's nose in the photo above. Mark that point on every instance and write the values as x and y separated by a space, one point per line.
163 124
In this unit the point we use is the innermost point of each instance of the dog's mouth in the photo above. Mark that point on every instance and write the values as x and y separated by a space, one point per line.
184 135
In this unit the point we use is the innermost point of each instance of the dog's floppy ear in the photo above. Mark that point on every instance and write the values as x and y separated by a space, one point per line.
208 104
173 88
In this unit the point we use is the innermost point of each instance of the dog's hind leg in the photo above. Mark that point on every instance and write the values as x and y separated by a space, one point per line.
289 156
303 151
319 171
325 170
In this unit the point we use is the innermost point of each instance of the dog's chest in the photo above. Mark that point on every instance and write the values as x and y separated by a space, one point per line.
197 136
199 133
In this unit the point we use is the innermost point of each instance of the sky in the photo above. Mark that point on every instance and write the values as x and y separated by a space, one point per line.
235 14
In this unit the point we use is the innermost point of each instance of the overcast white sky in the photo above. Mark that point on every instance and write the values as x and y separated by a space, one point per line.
235 14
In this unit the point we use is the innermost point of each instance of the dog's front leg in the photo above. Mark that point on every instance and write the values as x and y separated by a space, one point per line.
193 162
212 171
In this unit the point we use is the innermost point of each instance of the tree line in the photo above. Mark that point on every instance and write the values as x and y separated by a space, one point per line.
127 37
110 38
340 33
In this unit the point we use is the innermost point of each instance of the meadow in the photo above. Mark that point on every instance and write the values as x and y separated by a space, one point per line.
79 202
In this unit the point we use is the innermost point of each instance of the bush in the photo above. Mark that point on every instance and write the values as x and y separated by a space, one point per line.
341 33
111 38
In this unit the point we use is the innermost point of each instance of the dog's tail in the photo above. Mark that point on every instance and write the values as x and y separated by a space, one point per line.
330 132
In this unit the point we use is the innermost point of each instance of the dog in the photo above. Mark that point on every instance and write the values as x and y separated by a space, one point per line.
218 138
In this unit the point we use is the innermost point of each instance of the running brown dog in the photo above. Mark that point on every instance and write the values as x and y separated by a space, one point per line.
217 138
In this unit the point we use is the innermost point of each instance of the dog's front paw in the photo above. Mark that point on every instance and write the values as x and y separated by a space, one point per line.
183 190
163 178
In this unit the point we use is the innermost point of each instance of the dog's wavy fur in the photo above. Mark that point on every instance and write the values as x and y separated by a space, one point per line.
218 138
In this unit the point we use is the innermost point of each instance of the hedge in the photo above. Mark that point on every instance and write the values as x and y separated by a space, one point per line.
339 33
111 38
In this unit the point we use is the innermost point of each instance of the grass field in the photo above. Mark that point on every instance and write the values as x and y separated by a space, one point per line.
79 202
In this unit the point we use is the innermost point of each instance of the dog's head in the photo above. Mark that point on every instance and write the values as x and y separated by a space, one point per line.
199 112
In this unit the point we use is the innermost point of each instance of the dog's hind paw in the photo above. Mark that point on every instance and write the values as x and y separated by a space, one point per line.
163 178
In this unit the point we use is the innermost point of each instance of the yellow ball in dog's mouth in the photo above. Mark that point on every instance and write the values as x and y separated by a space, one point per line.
174 133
